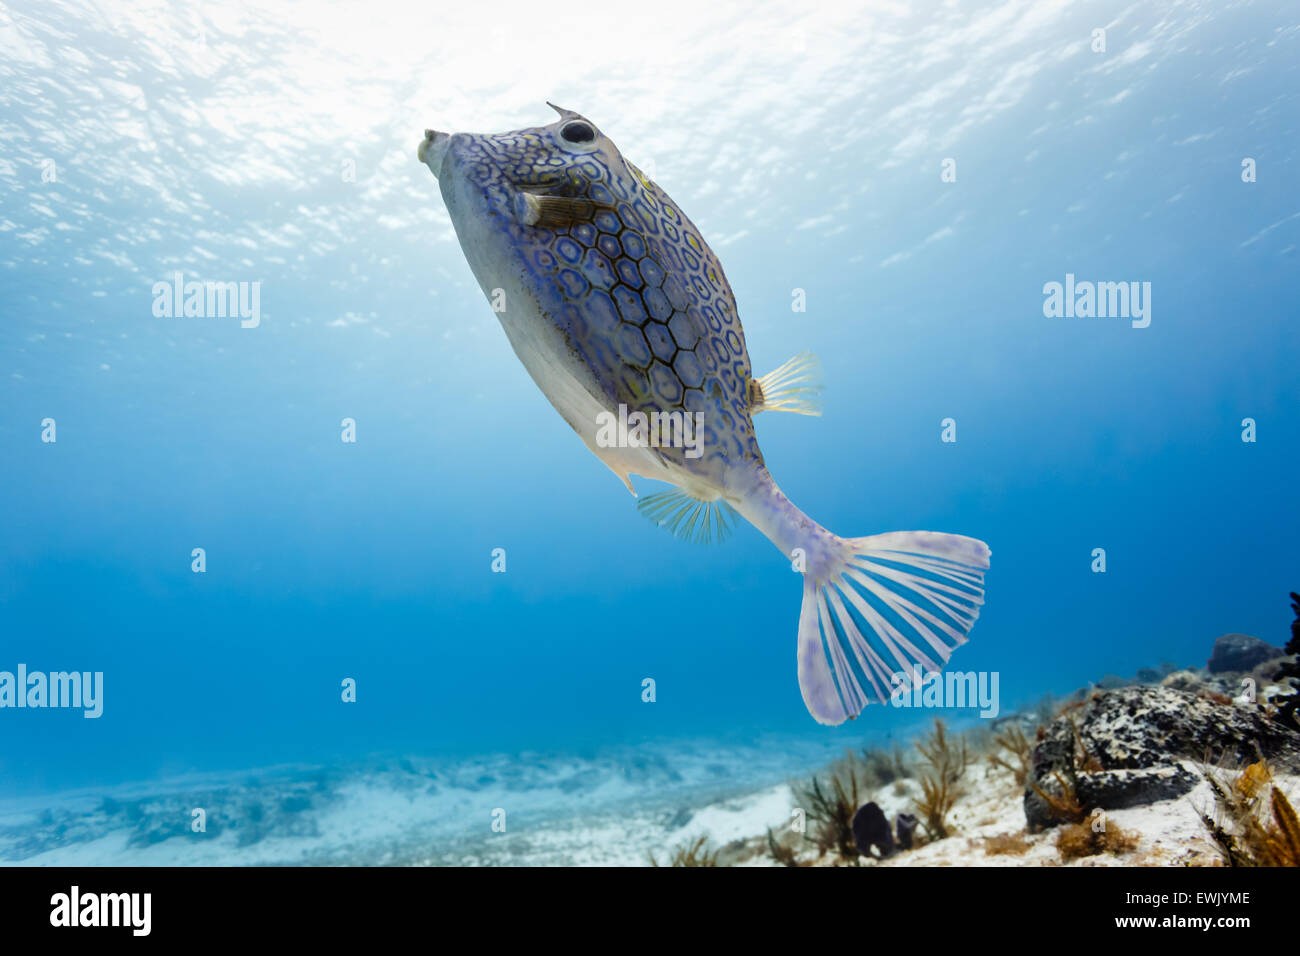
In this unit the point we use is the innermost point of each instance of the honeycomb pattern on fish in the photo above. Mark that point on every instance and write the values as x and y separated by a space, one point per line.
638 294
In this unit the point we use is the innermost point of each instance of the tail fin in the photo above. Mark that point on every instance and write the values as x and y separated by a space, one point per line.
872 607
901 603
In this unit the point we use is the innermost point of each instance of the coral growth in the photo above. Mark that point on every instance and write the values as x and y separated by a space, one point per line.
1290 703
1061 804
1063 807
1018 756
884 767
692 853
781 852
946 764
829 806
1251 827
1089 839
1006 844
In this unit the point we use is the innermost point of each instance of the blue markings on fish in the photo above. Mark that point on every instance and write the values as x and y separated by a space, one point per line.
621 313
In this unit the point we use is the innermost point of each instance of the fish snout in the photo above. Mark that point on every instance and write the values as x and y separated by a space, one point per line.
432 149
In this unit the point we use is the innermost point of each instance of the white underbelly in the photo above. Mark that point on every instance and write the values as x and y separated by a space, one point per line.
564 378
570 386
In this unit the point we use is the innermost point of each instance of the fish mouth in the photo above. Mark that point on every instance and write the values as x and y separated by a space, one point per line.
433 148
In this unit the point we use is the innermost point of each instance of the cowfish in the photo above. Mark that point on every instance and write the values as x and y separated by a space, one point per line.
623 316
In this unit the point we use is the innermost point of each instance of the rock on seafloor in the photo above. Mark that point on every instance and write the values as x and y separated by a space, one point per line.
1129 747
1240 652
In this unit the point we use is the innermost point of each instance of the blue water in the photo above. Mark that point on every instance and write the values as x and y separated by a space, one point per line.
808 147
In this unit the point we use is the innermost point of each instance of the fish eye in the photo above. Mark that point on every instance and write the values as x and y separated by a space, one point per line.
578 133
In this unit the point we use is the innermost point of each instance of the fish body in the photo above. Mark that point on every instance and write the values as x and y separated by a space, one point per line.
620 311
617 301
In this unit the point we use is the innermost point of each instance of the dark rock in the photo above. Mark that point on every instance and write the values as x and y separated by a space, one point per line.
905 826
681 818
1288 713
250 835
647 769
1117 789
1182 680
587 779
1112 681
1125 747
1149 675
157 831
738 851
1240 652
871 829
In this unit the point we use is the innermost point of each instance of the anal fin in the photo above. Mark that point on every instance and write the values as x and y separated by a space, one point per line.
688 517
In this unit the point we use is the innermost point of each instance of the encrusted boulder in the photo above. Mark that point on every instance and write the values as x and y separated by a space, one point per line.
1117 789
1240 653
1182 680
1129 747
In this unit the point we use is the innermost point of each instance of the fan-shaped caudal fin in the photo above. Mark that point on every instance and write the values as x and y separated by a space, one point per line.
901 604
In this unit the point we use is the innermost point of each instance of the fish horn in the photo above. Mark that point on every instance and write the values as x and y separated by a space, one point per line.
564 114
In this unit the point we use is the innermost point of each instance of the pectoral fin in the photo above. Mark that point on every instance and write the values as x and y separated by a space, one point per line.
794 387
556 212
